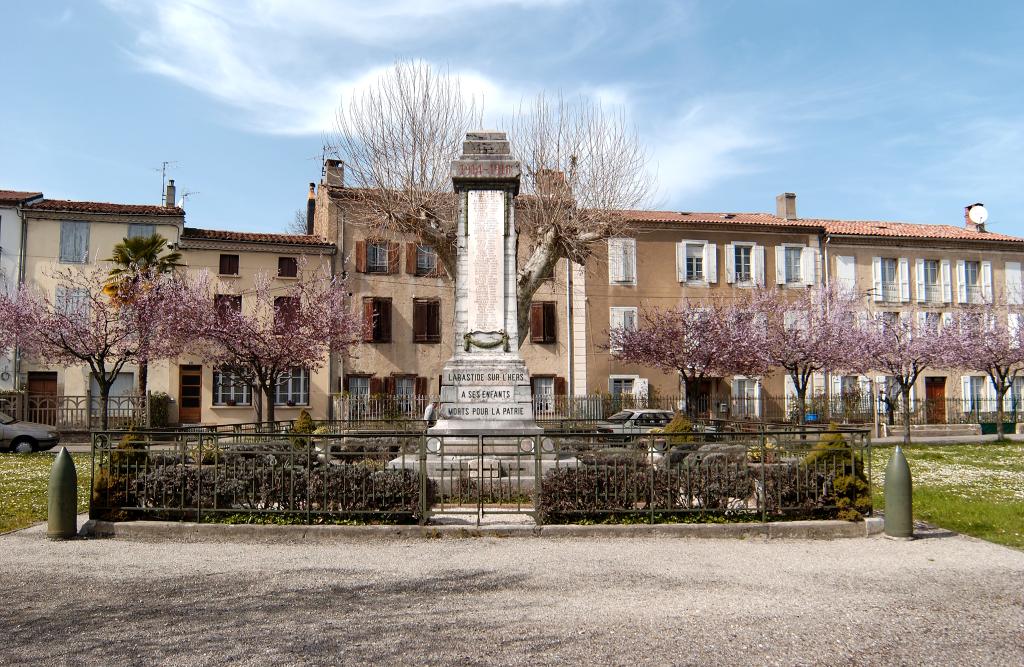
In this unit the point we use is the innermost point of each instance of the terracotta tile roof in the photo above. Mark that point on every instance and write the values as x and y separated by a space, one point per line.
105 207
835 227
252 237
910 230
17 196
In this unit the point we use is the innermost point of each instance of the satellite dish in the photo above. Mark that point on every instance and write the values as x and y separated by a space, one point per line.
977 214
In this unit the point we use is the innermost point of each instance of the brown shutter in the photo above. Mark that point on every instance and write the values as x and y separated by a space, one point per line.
419 320
410 258
421 386
368 324
389 385
559 386
361 256
384 312
393 256
434 321
536 322
439 385
550 330
376 387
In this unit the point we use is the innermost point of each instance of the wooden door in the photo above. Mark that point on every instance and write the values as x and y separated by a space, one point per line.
190 390
42 398
935 395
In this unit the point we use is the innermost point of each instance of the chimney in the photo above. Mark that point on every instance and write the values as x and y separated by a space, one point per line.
785 206
550 182
310 208
169 199
334 173
978 224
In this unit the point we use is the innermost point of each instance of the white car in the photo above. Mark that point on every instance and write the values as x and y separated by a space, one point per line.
26 437
634 422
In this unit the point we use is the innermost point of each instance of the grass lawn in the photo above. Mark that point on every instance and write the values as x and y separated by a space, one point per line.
23 481
976 490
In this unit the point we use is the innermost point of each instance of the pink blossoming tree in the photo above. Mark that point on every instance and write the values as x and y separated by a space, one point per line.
261 336
699 340
81 323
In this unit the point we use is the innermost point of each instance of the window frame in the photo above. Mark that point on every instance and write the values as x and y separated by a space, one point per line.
793 273
303 379
231 259
66 227
374 250
739 278
375 332
424 251
545 331
133 228
287 266
220 398
422 332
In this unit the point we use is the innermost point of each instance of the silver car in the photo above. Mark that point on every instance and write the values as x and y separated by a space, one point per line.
26 437
634 422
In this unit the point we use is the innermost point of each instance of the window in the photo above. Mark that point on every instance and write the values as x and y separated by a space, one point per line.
622 318
743 263
230 389
227 303
426 321
694 262
377 317
932 286
543 394
617 386
405 392
377 257
622 261
293 388
286 309
74 242
890 279
73 303
229 265
287 267
972 279
137 231
889 318
745 397
426 260
542 322
792 264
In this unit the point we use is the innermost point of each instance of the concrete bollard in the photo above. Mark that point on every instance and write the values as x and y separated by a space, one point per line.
62 498
899 497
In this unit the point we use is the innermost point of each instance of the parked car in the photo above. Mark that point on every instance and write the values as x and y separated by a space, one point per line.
25 437
634 422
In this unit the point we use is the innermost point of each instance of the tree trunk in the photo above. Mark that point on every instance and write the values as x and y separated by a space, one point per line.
801 403
269 395
143 377
104 404
257 403
1000 393
905 392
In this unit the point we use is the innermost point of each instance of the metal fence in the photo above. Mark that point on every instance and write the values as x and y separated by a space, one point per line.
74 413
344 475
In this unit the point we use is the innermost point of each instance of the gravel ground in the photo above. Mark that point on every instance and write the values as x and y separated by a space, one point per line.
943 599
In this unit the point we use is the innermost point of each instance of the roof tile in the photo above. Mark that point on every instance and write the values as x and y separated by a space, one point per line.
17 196
252 237
105 207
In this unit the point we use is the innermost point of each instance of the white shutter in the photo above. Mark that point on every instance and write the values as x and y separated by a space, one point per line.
947 281
730 263
986 281
790 392
1013 325
947 318
961 281
846 272
641 389
965 391
919 279
904 269
876 277
809 265
837 386
817 383
681 261
1014 296
757 265
780 265
922 320
614 260
757 398
615 318
711 262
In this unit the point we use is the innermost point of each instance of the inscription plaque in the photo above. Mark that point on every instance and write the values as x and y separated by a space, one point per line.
486 251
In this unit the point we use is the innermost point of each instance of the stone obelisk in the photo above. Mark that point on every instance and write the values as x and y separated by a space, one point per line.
485 386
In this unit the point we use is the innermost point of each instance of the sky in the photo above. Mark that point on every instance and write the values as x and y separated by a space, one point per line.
866 110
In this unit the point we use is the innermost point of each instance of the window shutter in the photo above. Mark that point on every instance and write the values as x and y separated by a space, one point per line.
961 281
419 321
876 277
681 261
780 265
846 272
947 319
730 263
420 386
384 307
376 386
757 398
1013 326
711 262
629 260
536 322
904 269
615 319
986 281
389 385
1014 296
615 268
394 257
550 329
808 265
947 281
434 321
368 320
60 299
758 265
965 392
410 258
919 278
360 254
560 386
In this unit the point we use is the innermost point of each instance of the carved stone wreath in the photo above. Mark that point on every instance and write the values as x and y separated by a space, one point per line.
470 340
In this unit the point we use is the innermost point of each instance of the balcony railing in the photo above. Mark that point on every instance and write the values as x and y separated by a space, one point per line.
933 293
890 291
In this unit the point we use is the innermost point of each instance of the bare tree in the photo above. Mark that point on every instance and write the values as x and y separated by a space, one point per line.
297 225
582 166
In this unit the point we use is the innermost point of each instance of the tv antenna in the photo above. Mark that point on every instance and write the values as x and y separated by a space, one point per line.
163 179
185 195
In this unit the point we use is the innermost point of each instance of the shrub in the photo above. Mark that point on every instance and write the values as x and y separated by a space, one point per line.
159 409
304 424
680 425
839 475
574 494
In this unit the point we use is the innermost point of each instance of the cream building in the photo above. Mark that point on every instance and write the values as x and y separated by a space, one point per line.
12 233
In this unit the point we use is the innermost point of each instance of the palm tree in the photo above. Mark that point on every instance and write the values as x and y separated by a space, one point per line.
133 260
